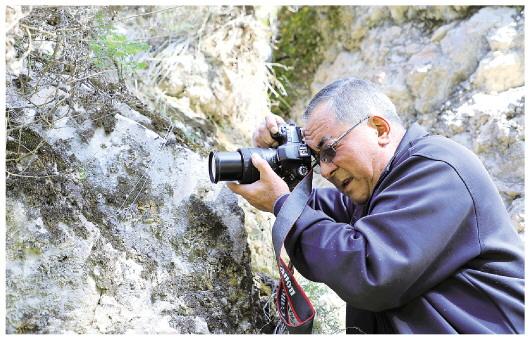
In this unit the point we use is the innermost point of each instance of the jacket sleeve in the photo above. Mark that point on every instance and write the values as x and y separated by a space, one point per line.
328 200
417 233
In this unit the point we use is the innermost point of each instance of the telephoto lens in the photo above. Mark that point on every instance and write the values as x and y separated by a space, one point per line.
237 166
225 166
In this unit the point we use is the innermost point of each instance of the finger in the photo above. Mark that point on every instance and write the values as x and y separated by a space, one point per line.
262 165
267 136
263 138
236 188
272 123
243 190
279 120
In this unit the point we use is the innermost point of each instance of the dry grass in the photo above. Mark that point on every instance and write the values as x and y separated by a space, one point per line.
183 41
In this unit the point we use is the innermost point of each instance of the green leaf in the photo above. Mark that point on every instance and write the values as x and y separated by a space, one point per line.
110 47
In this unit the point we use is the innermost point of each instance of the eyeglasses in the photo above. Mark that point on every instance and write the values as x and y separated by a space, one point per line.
328 151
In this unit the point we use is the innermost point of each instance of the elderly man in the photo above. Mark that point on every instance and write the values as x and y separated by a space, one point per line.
415 237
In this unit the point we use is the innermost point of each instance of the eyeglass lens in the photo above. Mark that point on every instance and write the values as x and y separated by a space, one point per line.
327 153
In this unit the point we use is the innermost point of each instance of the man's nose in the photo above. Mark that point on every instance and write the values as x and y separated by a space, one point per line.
327 169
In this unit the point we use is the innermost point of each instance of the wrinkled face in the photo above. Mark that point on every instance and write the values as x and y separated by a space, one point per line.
355 168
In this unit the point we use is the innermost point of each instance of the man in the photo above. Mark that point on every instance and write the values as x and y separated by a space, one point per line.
415 237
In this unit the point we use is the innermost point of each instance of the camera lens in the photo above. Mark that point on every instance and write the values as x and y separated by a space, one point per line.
213 164
237 166
225 166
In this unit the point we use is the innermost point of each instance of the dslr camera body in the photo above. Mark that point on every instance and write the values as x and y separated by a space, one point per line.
291 160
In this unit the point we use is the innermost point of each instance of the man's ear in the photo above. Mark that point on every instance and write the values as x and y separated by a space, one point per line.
382 128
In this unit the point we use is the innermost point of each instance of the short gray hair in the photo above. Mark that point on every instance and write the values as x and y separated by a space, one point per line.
353 99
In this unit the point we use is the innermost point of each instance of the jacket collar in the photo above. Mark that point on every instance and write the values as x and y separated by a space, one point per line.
413 133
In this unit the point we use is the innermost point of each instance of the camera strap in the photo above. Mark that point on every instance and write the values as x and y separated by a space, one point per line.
295 310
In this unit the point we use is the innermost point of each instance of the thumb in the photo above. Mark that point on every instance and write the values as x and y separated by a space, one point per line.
261 164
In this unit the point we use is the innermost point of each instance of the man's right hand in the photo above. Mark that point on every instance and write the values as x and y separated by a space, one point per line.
262 137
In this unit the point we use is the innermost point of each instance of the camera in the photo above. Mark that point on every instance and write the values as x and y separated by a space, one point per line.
291 160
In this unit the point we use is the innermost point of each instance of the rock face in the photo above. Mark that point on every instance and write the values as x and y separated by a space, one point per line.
458 71
119 240
112 223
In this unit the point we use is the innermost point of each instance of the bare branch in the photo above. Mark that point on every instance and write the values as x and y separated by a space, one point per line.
89 76
144 14
29 176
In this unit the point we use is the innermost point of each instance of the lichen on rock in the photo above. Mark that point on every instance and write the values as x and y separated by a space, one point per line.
113 226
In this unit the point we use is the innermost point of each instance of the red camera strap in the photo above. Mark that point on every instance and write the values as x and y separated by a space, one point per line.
295 310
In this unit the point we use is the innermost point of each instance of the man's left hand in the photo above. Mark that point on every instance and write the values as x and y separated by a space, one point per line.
262 194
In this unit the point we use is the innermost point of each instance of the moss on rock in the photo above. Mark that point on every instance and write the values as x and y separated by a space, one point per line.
304 36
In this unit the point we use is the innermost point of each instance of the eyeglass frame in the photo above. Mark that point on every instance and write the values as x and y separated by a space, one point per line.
333 145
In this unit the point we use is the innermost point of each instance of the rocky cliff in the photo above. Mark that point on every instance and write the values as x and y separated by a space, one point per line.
112 223
457 70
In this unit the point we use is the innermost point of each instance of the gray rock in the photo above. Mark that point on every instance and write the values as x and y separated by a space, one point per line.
113 224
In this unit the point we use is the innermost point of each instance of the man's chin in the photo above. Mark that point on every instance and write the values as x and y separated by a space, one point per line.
356 198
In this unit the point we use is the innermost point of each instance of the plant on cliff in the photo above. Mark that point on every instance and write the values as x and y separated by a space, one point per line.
300 48
114 49
326 320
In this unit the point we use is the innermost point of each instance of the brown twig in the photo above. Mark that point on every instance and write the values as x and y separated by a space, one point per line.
144 14
37 30
29 176
89 76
